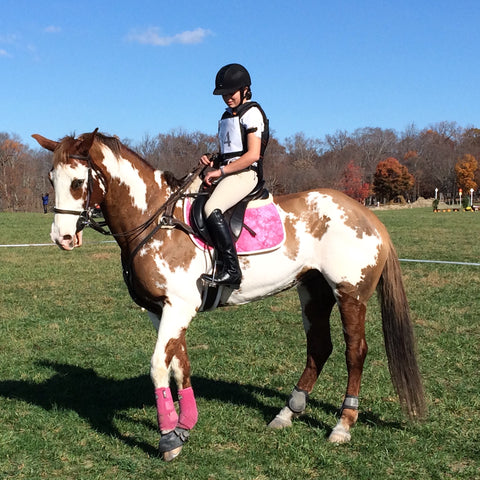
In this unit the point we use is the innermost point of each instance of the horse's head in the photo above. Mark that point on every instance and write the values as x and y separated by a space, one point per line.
72 178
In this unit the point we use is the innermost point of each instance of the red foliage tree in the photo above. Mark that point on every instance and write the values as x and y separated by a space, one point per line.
352 183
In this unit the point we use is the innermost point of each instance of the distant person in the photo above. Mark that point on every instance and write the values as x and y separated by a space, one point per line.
45 202
243 136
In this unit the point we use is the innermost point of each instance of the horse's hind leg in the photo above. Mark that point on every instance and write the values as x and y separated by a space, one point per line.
352 312
317 300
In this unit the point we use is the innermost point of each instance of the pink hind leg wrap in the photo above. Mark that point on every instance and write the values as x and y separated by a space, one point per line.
166 413
188 408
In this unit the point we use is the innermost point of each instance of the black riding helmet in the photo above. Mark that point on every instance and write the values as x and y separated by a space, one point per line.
230 78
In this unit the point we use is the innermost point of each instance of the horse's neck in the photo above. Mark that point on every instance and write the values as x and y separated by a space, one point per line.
134 192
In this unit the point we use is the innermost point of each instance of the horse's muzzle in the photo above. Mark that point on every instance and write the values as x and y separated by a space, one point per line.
69 242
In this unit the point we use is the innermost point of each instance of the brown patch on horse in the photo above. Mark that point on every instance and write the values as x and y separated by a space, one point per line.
353 313
293 206
147 282
291 242
319 226
244 262
177 246
177 347
299 209
66 147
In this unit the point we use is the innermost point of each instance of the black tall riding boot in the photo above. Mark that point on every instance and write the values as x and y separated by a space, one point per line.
230 274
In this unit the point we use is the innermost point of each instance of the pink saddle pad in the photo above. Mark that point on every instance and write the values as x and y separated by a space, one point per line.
262 218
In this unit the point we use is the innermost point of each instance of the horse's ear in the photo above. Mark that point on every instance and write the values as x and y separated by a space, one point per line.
45 142
87 142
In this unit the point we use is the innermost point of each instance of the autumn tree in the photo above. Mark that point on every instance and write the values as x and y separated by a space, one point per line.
23 175
392 179
352 183
465 170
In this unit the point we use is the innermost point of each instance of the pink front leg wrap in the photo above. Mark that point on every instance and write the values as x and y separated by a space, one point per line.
166 413
188 408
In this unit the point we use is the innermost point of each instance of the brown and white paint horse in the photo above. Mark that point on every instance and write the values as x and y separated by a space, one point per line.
336 252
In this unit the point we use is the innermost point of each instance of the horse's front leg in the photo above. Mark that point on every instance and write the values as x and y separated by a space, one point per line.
169 359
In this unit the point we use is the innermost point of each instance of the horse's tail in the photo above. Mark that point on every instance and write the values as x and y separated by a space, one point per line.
399 338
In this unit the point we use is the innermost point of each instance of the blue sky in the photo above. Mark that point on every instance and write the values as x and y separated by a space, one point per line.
148 67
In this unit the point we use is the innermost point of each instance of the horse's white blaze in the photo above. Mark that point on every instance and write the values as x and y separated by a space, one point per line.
65 225
123 170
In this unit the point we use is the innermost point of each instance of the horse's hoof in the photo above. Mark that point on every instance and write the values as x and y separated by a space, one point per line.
339 435
279 422
171 443
169 456
283 419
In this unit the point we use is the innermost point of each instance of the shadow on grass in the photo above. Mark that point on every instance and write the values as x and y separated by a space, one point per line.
99 400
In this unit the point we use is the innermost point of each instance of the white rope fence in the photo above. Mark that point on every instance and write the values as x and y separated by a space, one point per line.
471 264
446 262
49 244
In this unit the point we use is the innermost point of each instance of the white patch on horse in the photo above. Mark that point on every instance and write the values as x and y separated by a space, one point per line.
348 253
100 183
123 170
153 246
178 280
158 178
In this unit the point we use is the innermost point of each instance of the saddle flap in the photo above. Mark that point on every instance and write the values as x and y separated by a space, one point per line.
196 218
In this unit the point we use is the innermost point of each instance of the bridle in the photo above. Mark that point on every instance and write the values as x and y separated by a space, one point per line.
85 216
163 216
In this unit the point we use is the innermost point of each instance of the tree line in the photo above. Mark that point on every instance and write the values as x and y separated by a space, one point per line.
369 164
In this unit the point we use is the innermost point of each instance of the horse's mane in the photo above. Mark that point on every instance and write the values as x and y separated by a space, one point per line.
67 143
116 146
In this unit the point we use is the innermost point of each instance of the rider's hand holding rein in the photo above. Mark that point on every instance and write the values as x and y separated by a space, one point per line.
248 158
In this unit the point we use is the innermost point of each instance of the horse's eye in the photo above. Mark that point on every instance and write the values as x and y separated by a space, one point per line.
76 184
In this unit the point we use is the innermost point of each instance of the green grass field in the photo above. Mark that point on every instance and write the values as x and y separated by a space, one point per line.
76 400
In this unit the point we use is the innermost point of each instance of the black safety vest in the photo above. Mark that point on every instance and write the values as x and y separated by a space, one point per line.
239 112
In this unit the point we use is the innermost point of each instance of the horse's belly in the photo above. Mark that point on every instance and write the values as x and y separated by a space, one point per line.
265 275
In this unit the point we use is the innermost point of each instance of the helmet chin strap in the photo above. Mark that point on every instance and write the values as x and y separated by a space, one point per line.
242 98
